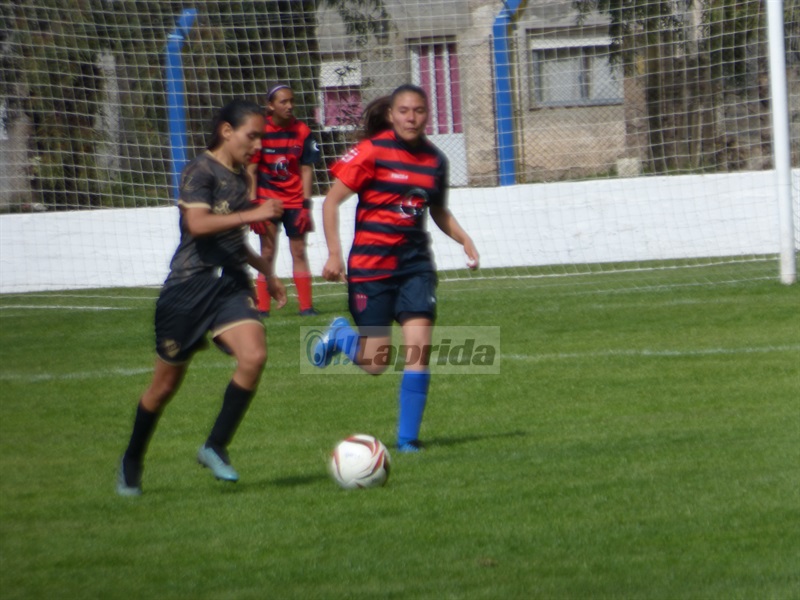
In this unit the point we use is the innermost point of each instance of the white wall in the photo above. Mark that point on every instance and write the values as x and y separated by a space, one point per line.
638 219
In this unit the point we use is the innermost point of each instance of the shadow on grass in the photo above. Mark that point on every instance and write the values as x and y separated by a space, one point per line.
298 480
468 439
311 479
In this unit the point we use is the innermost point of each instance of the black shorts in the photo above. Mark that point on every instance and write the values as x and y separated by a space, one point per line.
186 311
379 303
293 229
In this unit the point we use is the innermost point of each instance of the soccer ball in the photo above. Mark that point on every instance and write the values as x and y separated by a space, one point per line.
360 461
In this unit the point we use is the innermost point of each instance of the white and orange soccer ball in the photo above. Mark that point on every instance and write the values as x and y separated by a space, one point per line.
360 461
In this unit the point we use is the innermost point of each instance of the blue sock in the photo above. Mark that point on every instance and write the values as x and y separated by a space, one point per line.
346 340
413 395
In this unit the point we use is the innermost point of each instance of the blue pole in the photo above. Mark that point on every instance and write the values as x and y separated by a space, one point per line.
504 98
176 95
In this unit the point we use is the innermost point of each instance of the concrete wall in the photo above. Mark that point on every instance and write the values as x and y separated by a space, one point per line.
613 220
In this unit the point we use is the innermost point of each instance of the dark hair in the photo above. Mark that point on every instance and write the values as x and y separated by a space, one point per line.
275 89
234 113
374 118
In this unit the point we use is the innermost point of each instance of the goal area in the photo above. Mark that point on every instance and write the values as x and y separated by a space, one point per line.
585 137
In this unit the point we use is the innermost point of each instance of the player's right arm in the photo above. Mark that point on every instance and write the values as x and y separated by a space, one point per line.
252 184
200 221
334 266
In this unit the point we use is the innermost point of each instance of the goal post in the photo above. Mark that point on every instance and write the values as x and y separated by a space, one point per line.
781 142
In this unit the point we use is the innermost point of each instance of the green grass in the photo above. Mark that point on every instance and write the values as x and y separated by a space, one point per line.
639 442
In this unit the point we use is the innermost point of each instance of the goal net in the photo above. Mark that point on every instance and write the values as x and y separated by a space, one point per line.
585 137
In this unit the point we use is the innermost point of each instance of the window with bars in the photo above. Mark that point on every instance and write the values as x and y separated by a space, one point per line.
570 73
340 100
341 107
434 68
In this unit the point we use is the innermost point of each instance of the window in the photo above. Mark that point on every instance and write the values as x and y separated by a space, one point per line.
341 107
340 102
434 68
573 73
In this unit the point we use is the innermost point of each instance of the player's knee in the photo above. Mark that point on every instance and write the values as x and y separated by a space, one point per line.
159 394
253 359
299 255
373 368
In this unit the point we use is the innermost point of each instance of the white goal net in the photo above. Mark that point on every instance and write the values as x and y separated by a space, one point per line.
585 137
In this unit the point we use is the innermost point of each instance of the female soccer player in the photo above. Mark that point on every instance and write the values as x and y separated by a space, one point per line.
284 169
399 177
209 289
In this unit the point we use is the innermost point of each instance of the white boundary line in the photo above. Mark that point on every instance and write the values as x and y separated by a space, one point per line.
59 307
650 353
646 353
105 374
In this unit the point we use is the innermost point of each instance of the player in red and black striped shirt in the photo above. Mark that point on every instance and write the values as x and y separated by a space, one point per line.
284 170
400 177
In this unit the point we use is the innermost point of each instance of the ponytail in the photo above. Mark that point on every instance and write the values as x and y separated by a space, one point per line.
374 119
234 113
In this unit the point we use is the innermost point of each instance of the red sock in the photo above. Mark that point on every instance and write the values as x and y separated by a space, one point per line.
303 283
262 295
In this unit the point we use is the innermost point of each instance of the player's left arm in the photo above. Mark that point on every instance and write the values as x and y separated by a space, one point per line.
310 156
445 221
274 285
252 182
307 179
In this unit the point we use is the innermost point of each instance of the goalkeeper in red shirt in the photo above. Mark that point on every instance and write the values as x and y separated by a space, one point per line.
284 170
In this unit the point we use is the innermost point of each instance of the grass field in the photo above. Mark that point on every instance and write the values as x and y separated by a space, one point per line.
639 442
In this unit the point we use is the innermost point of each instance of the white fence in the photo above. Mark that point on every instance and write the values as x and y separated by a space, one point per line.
614 220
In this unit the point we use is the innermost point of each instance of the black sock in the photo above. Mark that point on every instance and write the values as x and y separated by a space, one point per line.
234 405
144 425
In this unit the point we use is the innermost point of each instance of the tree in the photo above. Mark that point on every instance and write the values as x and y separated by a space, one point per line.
52 72
692 60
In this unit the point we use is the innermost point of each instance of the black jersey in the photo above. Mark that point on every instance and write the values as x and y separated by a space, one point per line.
208 183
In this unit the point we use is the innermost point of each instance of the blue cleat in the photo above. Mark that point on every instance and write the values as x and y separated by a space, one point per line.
308 312
129 479
411 447
218 462
326 349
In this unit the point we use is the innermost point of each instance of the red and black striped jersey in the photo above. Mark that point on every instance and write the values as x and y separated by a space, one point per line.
396 183
283 151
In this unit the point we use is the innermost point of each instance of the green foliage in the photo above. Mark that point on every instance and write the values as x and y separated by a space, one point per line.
50 64
53 77
734 28
640 442
692 71
56 83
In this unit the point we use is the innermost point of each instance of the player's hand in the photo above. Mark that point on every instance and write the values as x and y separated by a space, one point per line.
473 258
304 221
261 228
334 269
270 209
277 290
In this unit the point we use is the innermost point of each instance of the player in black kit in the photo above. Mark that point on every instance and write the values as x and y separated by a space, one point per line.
209 289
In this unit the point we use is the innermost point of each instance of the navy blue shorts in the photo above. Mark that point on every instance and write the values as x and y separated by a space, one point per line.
291 224
186 311
379 303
